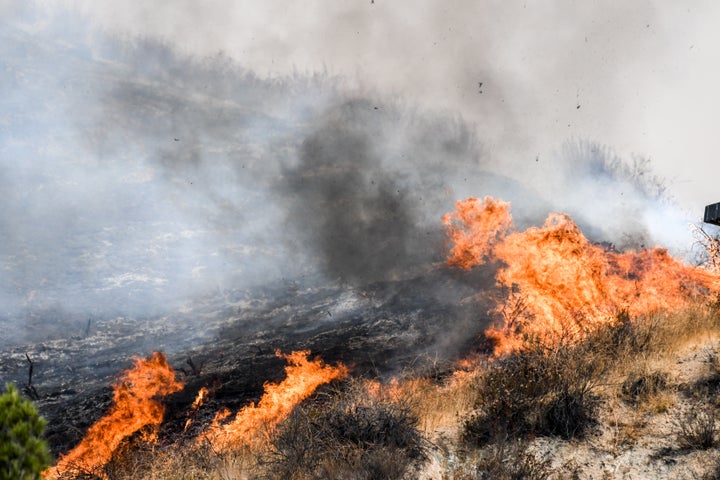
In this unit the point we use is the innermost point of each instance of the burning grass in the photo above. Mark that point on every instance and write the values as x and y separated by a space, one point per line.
371 429
582 341
135 409
252 425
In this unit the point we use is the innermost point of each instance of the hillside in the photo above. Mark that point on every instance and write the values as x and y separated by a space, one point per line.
636 399
590 363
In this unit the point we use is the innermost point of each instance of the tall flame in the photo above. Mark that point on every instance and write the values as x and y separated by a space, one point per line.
304 376
135 406
560 283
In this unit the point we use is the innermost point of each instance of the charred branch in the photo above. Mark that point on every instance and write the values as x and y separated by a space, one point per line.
29 388
193 368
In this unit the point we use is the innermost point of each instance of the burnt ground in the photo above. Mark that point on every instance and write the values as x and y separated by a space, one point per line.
228 342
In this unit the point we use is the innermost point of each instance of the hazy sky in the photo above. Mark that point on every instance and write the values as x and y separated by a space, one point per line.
640 77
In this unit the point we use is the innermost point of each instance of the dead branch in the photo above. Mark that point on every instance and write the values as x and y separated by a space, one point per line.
29 388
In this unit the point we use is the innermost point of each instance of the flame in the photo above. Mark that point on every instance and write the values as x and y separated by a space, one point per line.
200 398
474 227
392 391
304 376
197 403
135 406
561 285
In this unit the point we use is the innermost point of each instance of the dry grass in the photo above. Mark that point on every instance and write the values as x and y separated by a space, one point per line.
347 435
699 428
505 460
619 378
437 404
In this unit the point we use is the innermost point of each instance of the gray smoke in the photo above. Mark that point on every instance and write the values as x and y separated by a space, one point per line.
367 198
136 178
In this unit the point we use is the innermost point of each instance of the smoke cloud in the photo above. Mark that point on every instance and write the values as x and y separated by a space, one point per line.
139 171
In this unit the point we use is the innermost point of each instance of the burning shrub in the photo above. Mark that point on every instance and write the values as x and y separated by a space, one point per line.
543 390
347 437
23 452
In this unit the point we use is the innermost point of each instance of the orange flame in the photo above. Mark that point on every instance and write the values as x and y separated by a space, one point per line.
474 228
134 406
304 376
393 391
197 403
561 284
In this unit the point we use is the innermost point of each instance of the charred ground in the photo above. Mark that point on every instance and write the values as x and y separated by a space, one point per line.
228 343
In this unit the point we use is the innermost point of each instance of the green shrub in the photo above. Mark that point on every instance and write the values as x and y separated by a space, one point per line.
24 454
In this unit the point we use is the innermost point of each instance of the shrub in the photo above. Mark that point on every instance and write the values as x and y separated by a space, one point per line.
542 390
348 436
641 386
24 454
511 461
707 387
699 429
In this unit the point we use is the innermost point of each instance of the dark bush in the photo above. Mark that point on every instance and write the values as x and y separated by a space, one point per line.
699 428
347 437
639 386
540 390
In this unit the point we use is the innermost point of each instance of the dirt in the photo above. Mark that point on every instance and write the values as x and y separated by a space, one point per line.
630 441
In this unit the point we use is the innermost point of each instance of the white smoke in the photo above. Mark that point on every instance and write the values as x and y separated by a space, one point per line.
153 152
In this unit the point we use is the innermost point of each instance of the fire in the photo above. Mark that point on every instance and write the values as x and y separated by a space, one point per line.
200 398
474 227
304 376
561 285
135 406
197 403
393 391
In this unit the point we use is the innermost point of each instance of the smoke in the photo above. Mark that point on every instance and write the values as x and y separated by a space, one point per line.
364 196
356 212
138 174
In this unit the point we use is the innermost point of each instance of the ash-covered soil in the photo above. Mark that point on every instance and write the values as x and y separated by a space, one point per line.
228 342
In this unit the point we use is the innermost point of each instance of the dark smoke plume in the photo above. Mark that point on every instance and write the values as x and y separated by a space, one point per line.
361 210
